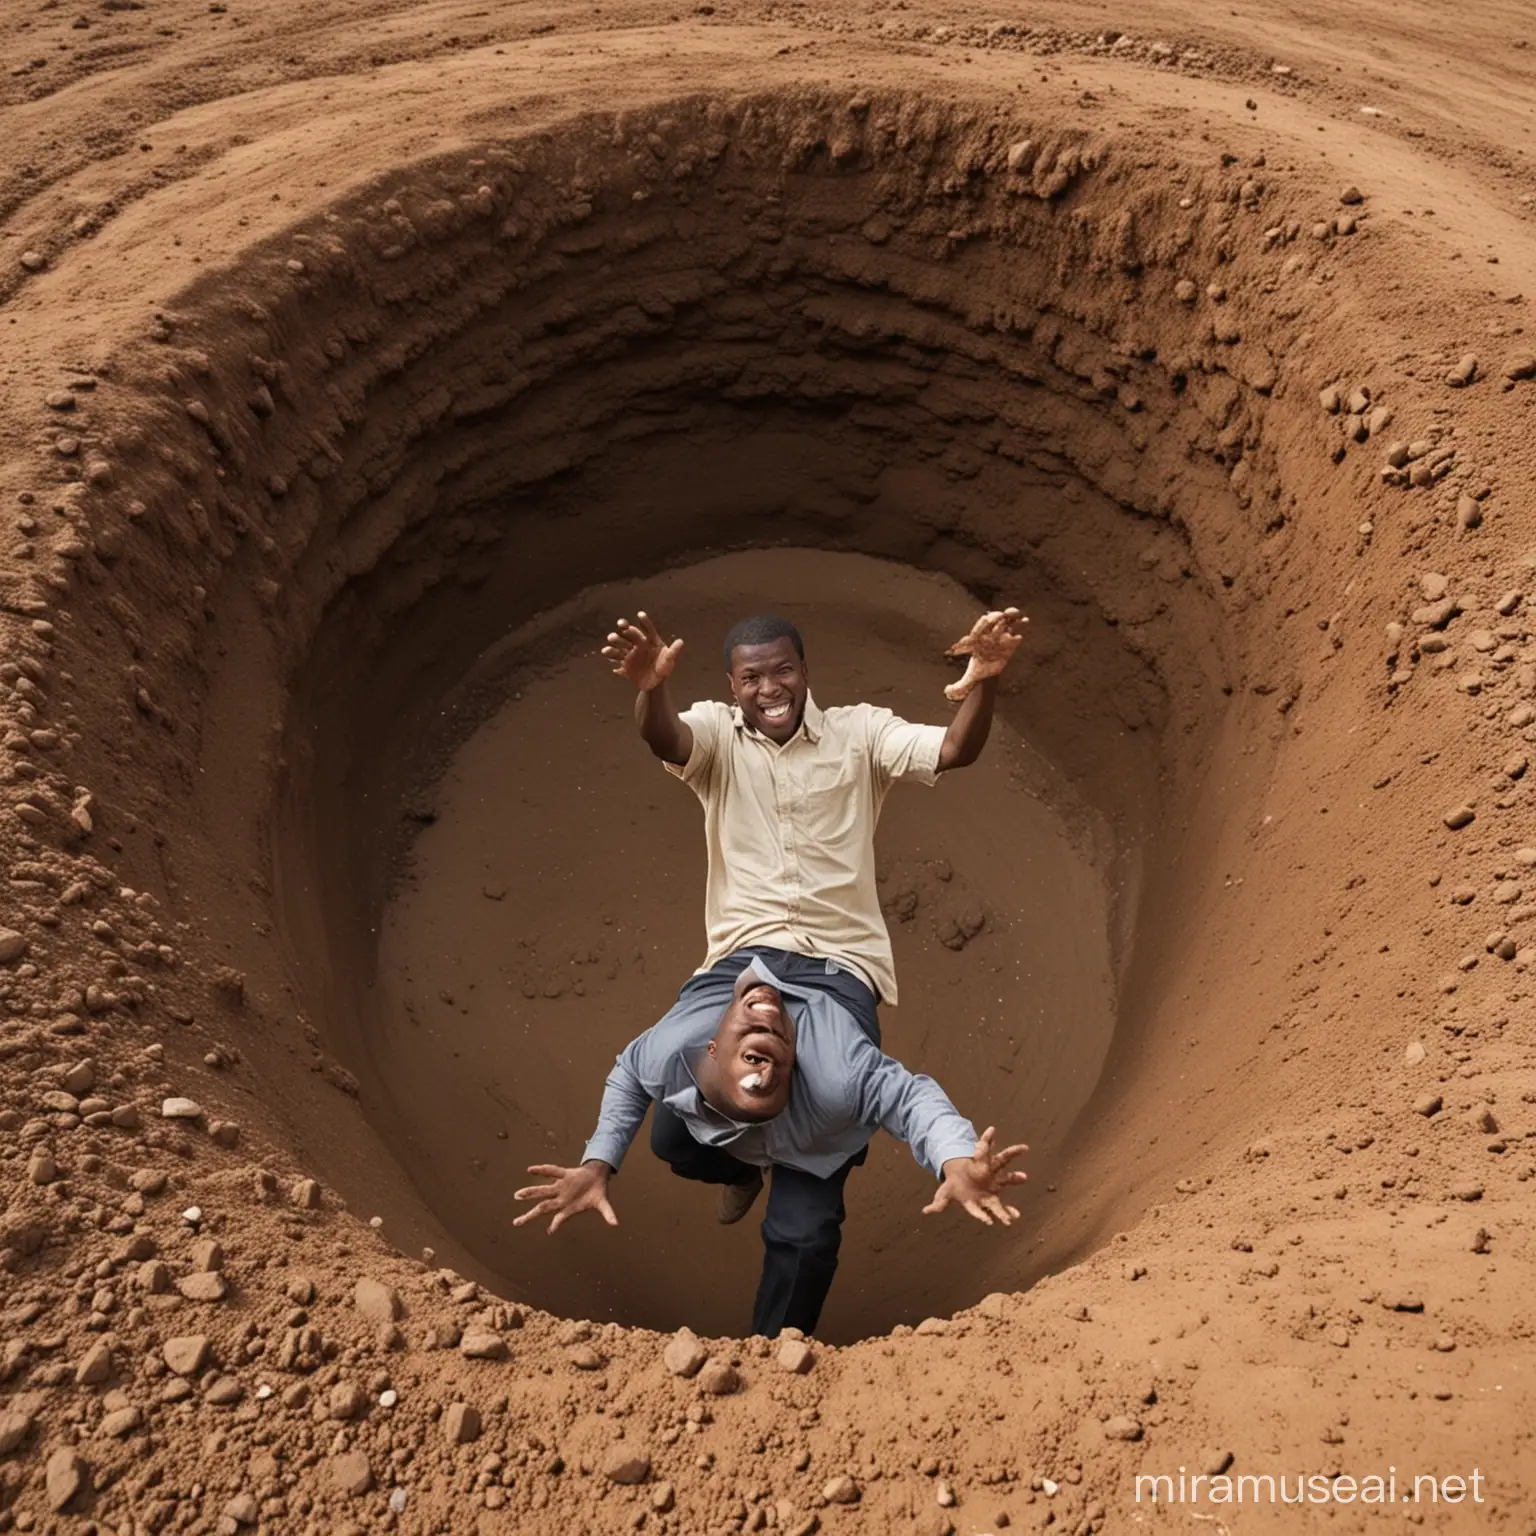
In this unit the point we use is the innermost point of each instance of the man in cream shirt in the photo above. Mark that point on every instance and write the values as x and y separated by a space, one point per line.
791 792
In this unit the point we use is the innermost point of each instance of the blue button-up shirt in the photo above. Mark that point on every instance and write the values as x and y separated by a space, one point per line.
844 1089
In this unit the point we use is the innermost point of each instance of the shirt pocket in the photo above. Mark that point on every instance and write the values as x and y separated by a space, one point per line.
834 799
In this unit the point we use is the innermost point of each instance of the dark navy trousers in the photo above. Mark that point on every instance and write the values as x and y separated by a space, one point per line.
803 1225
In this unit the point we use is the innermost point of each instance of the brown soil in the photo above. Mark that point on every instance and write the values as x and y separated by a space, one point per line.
363 360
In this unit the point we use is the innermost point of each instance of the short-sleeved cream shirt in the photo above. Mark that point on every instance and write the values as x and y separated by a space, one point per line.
790 829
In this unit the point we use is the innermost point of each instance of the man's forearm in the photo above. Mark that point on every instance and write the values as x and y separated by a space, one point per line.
625 1102
661 727
968 731
913 1108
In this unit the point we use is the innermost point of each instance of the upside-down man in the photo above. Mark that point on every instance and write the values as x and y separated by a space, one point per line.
751 1070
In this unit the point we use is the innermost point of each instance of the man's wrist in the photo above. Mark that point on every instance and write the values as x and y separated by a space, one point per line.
597 1163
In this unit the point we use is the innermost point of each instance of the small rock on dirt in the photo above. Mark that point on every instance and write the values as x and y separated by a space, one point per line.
122 1421
841 1490
482 1344
461 1423
205 1285
684 1354
1437 615
65 1475
186 1355
95 1365
378 1302
1122 1427
626 1466
207 1255
243 1509
795 1356
719 1378
351 1474
14 1428
1464 372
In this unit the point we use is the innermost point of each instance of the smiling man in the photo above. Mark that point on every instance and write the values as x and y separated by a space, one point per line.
763 1064
791 792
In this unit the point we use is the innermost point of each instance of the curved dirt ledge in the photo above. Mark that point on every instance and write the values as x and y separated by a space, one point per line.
945 313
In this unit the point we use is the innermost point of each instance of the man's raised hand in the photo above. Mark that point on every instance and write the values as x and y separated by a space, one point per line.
638 652
989 647
574 1190
978 1181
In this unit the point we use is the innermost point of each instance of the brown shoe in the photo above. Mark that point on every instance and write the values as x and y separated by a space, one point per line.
737 1199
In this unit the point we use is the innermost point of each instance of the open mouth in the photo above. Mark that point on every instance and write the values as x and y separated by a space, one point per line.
765 1013
776 714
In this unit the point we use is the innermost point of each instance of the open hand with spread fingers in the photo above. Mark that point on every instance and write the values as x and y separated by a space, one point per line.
989 647
638 652
977 1182
574 1190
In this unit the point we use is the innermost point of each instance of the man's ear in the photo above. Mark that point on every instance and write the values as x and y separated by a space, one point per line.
711 1048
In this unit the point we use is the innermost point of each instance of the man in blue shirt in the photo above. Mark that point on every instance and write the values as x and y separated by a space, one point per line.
770 1059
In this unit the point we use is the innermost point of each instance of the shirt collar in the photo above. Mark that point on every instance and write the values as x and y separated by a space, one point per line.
810 722
689 1100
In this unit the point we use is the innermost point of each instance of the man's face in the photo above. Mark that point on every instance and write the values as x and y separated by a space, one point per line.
753 1054
770 683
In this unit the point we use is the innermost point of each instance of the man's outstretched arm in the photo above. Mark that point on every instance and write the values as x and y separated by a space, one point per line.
989 647
639 654
968 731
585 1188
622 1112
914 1109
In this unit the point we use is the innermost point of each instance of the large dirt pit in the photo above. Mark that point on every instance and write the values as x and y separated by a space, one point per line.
364 363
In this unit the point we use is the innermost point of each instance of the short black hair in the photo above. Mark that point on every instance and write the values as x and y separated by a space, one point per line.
761 629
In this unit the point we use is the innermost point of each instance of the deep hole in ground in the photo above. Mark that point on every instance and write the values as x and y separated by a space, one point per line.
901 331
1311 947
511 969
